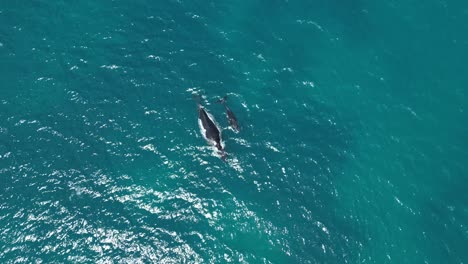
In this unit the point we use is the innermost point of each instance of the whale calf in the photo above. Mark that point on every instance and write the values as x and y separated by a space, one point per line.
230 115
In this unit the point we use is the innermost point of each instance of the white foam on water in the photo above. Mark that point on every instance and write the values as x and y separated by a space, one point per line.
110 67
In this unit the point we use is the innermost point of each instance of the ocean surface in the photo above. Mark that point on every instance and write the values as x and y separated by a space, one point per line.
353 145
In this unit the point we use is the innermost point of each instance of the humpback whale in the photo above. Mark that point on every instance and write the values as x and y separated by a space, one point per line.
230 115
209 129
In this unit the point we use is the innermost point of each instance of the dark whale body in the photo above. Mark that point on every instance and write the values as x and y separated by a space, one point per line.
210 130
230 115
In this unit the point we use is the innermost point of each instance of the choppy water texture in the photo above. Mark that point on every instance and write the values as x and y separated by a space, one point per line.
353 146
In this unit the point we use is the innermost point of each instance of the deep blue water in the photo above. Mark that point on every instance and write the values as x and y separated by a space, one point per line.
352 149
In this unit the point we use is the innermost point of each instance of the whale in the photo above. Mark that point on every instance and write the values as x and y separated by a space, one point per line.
230 115
210 130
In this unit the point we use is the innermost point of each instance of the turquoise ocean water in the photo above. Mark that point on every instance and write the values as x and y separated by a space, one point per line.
353 142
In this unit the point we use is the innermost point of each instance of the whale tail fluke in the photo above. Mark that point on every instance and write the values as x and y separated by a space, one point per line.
221 151
223 155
